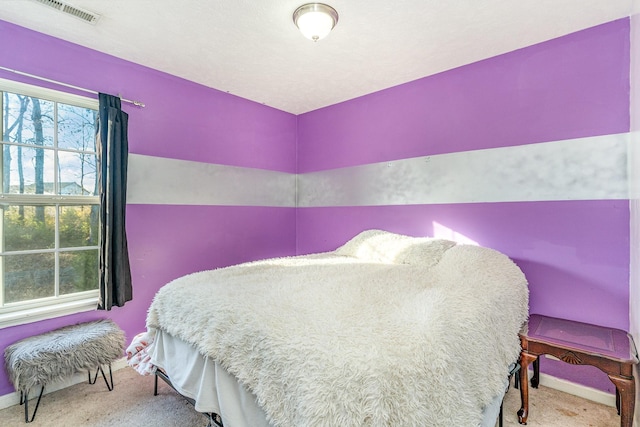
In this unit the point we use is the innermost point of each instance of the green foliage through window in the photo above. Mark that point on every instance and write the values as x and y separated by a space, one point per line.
49 204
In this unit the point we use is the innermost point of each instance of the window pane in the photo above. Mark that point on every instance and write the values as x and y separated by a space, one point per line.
76 128
47 149
77 173
28 277
28 227
29 119
79 226
30 170
78 271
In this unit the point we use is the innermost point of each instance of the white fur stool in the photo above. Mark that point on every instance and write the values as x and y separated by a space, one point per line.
50 357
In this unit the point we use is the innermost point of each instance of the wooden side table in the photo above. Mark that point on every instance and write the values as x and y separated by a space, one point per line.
611 350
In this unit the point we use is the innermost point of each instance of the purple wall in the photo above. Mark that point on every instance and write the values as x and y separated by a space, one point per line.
182 120
570 87
574 253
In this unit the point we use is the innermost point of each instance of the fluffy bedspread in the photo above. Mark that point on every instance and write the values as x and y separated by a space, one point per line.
387 330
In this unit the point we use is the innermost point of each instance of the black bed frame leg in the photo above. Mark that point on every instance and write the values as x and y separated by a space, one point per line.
24 398
214 420
155 385
512 373
99 370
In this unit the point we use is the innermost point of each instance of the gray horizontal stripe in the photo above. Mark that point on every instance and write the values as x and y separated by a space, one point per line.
592 168
580 169
157 180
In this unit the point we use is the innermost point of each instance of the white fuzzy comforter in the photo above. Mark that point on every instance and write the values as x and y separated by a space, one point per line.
418 334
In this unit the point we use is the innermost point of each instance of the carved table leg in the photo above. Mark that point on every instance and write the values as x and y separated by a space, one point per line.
525 359
626 389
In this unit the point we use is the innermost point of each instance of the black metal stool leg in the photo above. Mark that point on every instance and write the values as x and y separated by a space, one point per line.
24 398
109 386
100 371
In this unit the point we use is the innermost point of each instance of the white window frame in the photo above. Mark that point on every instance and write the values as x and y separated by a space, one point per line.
51 307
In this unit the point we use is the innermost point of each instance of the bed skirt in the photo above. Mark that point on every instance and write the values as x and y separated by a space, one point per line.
214 390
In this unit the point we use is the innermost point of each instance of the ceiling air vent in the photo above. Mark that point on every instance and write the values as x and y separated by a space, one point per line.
85 15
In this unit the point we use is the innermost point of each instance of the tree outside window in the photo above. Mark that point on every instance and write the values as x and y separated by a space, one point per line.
49 203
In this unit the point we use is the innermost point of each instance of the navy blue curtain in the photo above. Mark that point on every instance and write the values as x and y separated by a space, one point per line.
113 147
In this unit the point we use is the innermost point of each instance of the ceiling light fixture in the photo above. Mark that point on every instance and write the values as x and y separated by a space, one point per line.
315 20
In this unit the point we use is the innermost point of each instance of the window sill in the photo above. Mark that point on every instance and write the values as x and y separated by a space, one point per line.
47 312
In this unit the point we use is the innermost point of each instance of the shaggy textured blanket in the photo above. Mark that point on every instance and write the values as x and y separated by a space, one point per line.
387 330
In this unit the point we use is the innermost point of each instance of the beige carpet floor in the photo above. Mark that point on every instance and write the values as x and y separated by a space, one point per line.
552 408
132 403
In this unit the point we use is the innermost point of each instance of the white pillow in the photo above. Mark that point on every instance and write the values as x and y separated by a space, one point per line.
390 248
425 251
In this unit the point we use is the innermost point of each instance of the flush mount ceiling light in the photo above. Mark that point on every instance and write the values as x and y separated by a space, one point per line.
315 20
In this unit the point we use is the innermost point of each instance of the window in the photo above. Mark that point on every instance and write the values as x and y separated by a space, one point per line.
48 203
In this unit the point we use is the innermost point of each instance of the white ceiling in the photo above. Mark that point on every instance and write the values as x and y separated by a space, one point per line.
252 49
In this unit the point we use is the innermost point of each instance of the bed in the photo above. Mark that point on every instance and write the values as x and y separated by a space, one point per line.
387 330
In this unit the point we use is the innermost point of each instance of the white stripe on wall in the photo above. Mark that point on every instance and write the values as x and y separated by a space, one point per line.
592 168
157 180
